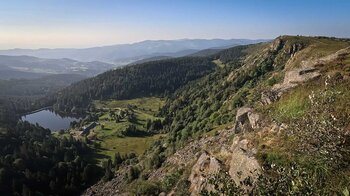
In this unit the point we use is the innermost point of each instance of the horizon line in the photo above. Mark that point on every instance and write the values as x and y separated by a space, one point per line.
135 42
178 39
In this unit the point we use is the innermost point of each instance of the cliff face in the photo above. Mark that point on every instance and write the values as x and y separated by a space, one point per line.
293 138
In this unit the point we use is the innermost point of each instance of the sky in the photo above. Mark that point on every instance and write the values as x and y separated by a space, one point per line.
87 23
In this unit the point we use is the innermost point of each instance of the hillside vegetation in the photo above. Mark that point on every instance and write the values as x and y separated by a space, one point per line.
271 119
156 78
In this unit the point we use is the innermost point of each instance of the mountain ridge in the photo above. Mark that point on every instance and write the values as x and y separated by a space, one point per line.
115 53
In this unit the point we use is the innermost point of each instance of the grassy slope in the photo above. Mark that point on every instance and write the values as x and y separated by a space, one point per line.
316 48
296 110
285 149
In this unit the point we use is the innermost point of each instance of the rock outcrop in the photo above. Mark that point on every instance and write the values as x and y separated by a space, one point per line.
205 166
308 71
277 44
187 156
243 166
297 76
246 120
291 79
269 97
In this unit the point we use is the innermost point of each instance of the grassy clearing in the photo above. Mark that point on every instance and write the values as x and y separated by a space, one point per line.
126 145
107 134
219 63
61 135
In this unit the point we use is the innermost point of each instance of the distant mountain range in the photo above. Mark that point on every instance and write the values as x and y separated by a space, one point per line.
27 67
123 54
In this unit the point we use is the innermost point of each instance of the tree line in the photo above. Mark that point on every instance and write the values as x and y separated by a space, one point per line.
33 162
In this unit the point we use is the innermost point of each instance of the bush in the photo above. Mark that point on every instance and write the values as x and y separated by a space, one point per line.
147 188
132 173
170 181
222 184
108 170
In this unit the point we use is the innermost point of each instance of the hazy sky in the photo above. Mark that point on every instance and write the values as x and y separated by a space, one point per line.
85 23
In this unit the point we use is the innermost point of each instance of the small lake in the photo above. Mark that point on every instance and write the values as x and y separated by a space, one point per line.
49 119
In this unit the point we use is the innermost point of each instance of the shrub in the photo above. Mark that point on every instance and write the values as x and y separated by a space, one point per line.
132 173
147 188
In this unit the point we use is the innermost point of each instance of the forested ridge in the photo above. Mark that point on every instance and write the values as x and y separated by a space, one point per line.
33 162
157 78
39 86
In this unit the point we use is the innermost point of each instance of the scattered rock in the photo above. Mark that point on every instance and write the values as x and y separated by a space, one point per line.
231 76
254 120
301 75
188 155
162 194
205 166
269 97
243 164
295 48
112 187
308 71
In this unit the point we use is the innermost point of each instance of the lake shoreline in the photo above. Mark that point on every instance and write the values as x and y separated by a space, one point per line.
35 111
48 118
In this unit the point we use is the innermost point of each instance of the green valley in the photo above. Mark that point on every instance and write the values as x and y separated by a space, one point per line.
114 118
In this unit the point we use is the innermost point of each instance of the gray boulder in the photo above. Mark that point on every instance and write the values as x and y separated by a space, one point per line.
246 120
243 163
